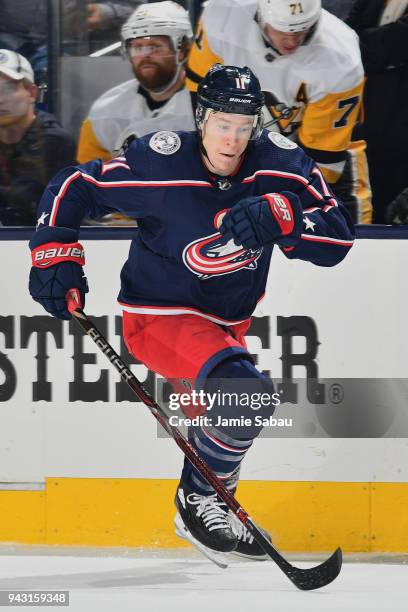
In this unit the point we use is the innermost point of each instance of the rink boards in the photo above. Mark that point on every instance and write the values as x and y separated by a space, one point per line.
81 464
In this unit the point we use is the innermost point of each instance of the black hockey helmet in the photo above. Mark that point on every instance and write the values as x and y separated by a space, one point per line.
230 89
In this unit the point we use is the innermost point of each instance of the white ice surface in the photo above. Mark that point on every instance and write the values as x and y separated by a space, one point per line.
184 582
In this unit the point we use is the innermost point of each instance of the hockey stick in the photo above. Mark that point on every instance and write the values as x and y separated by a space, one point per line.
304 579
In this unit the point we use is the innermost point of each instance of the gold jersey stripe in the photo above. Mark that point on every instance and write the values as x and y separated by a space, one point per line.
361 188
330 176
327 123
201 57
89 146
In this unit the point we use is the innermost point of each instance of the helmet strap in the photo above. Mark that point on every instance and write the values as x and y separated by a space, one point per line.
172 82
201 129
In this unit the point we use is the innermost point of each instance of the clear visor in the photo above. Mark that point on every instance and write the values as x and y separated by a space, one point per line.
229 125
149 45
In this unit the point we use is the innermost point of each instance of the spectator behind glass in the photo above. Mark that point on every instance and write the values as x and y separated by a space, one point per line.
383 30
24 25
33 146
85 27
104 20
340 8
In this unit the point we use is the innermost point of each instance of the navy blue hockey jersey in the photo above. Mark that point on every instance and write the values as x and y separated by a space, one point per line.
178 261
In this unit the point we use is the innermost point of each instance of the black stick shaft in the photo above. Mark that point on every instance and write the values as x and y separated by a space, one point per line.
305 579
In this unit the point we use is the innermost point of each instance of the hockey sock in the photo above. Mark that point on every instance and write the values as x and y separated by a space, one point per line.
230 429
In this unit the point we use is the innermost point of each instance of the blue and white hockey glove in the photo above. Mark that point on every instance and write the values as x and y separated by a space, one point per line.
57 260
261 220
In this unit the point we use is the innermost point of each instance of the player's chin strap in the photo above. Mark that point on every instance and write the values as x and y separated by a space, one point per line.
203 150
204 153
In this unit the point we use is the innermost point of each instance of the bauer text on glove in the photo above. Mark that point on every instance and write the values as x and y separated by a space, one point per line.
57 260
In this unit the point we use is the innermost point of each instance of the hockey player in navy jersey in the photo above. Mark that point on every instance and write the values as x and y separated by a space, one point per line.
211 206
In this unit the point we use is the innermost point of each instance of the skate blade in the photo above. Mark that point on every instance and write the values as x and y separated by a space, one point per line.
216 557
251 558
240 555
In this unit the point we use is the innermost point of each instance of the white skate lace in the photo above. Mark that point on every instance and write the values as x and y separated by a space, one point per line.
208 508
239 529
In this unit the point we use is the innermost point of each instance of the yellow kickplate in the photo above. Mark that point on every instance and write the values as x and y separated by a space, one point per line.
301 516
22 516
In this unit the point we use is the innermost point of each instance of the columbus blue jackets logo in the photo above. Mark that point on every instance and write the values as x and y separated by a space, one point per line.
216 255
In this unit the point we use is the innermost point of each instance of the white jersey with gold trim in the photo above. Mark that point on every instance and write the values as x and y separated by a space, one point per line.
322 81
123 111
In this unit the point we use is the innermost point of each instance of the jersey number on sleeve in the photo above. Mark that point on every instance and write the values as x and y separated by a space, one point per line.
349 104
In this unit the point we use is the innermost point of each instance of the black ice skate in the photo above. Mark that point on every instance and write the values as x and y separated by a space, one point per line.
203 521
247 547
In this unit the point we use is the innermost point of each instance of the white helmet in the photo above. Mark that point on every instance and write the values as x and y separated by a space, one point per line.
159 19
289 16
